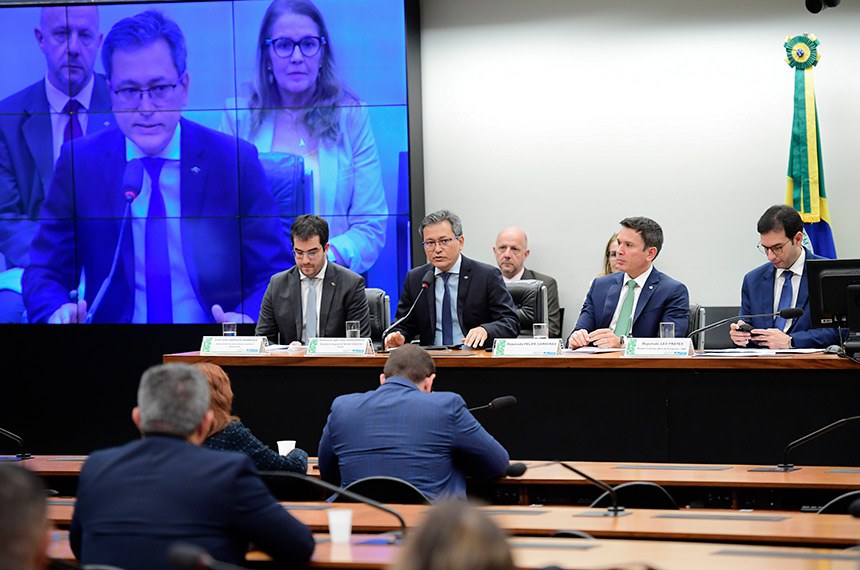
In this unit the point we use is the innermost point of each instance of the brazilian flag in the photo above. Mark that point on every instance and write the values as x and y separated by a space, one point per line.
805 189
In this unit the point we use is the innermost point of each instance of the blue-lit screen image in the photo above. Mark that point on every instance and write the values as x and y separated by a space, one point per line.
240 158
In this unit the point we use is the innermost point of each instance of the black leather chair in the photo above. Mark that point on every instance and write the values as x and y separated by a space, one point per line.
379 304
696 320
386 489
840 505
531 302
638 495
719 337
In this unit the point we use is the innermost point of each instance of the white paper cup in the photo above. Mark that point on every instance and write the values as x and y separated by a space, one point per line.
285 446
339 525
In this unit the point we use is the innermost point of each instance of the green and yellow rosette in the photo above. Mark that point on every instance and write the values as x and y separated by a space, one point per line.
802 51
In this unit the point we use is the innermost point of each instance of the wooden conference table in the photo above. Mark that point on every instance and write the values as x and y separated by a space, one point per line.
533 553
759 527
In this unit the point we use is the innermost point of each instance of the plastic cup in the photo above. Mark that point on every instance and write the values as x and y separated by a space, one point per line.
540 330
339 525
667 330
353 329
285 446
228 329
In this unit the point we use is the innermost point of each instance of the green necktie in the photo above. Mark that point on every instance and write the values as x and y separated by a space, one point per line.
625 317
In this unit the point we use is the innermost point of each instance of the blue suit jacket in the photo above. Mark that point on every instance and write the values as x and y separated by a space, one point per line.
231 235
757 298
134 501
430 440
482 300
662 300
27 161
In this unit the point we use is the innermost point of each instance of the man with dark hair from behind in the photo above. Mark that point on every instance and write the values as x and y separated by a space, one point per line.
135 501
403 429
25 532
780 231
315 287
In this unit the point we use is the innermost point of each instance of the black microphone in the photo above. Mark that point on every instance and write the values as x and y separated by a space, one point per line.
341 491
426 281
854 509
187 556
614 510
515 469
132 182
785 466
22 454
496 404
785 314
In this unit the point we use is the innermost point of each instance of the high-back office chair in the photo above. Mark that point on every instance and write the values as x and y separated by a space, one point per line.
379 304
697 319
719 337
638 495
530 299
386 490
840 505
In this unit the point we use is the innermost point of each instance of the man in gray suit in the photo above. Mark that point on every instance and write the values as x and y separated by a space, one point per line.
511 250
34 123
314 298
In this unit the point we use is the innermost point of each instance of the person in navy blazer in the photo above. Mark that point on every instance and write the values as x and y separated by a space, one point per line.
403 429
32 125
659 298
780 230
223 224
135 501
484 309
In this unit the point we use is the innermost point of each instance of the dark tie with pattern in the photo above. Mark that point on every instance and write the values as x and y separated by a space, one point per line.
447 321
73 129
784 299
159 302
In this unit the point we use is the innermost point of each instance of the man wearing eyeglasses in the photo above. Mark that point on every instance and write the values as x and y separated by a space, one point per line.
314 298
779 284
161 219
465 302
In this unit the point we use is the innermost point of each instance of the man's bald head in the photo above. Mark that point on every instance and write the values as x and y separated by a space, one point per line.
511 250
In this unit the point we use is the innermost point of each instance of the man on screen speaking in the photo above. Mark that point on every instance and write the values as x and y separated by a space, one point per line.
160 220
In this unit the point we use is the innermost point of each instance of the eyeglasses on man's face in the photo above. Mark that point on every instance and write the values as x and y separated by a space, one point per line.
308 45
774 249
311 254
443 243
133 96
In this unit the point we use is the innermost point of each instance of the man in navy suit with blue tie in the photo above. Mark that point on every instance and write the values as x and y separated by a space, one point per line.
781 283
634 301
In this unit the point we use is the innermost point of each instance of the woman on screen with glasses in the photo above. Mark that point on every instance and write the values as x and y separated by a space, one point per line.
300 107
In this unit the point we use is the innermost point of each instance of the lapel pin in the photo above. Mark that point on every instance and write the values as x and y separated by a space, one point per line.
195 169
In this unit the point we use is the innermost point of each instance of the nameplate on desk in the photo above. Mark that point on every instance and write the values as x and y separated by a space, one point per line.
233 345
339 346
659 347
526 347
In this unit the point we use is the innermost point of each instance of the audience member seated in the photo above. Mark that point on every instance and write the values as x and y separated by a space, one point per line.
610 263
25 532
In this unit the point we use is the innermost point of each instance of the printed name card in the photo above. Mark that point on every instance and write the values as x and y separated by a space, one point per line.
658 347
233 345
339 347
526 347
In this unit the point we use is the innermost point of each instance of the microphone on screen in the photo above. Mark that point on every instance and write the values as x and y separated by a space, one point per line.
426 281
785 466
497 404
132 182
186 556
785 314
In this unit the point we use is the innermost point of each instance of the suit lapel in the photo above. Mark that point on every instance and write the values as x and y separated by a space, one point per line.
37 134
294 291
612 296
463 287
192 177
647 291
429 297
329 287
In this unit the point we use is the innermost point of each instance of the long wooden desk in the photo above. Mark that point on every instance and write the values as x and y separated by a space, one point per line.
533 553
759 527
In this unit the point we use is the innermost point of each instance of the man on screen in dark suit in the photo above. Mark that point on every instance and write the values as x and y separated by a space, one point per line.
34 123
202 238
338 293
780 231
634 301
135 501
466 301
403 429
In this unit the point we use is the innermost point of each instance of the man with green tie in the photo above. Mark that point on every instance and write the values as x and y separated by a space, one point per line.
634 301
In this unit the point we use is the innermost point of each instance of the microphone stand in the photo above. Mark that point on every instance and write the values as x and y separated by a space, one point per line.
785 466
614 510
22 454
341 491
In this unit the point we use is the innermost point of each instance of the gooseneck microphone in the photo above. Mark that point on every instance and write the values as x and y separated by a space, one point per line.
785 466
497 404
785 314
313 481
17 438
132 182
186 556
614 509
426 281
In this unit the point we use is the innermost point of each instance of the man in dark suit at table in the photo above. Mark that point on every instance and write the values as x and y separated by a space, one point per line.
403 429
199 227
315 297
781 283
467 301
634 301
68 102
136 500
